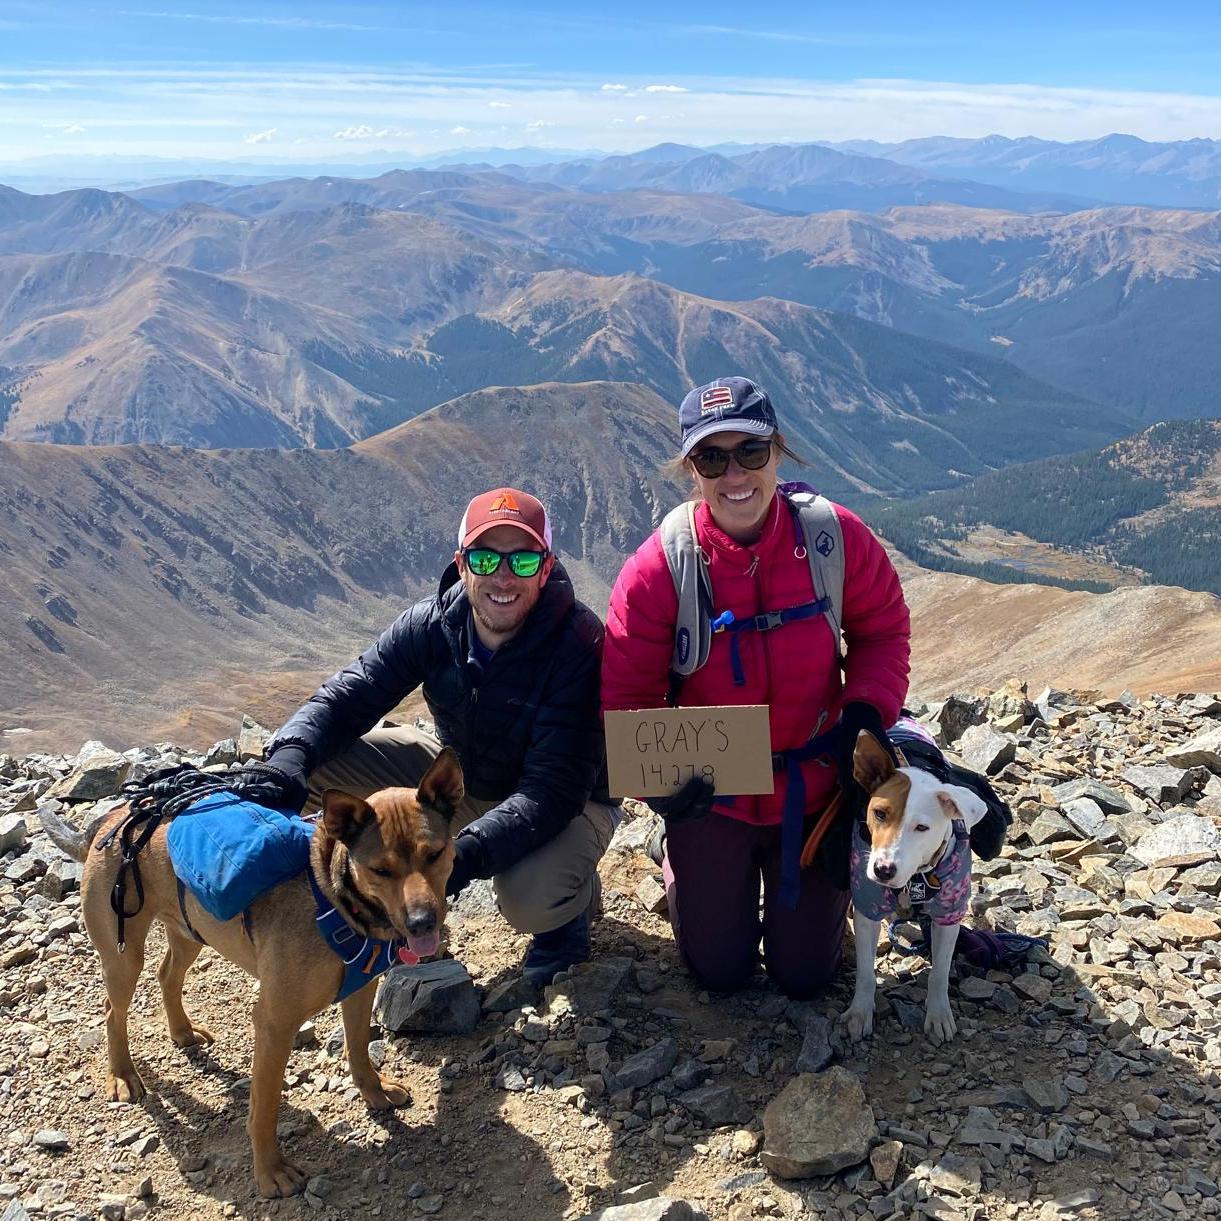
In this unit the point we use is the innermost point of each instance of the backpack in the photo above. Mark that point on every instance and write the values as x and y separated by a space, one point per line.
817 535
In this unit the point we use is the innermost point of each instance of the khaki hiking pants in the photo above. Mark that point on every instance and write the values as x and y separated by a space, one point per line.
543 890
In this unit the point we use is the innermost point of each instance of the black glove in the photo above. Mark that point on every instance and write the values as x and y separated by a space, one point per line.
289 763
466 864
690 802
836 848
852 719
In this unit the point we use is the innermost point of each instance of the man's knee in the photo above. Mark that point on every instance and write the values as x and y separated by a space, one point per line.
388 757
532 902
555 883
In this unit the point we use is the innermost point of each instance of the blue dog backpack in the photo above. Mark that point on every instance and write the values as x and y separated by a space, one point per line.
228 851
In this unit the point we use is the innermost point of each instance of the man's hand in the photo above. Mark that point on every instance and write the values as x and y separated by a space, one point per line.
690 802
288 764
463 872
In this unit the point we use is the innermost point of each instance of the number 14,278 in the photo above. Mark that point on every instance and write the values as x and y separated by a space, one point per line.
675 773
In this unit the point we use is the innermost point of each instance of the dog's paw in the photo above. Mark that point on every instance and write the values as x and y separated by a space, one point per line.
939 1024
385 1093
125 1087
857 1020
279 1179
192 1035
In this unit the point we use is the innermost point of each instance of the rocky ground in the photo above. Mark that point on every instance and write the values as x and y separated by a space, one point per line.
1085 1084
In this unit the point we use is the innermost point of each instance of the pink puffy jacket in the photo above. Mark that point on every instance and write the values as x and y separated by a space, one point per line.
792 669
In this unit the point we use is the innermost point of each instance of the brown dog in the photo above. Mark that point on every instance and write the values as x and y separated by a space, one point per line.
382 863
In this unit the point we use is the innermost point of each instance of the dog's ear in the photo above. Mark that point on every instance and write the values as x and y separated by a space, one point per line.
871 763
962 803
442 786
343 814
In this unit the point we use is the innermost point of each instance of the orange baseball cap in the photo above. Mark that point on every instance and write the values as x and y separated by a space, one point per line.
505 507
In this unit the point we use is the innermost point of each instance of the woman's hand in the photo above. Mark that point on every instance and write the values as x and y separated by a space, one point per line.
692 801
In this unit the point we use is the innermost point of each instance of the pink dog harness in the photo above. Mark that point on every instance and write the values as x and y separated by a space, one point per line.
941 891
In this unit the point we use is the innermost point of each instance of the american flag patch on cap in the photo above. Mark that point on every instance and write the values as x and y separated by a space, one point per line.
715 397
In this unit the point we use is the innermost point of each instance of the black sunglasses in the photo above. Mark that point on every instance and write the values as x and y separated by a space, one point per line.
751 455
483 561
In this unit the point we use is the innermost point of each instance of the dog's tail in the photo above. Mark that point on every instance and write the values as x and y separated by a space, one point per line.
66 837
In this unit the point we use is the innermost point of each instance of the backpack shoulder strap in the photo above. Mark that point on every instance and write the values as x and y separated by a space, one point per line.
824 544
689 568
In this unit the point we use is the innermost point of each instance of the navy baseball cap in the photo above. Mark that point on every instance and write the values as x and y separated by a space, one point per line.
729 404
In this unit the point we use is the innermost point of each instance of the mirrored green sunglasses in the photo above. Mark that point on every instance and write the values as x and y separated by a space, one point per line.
483 561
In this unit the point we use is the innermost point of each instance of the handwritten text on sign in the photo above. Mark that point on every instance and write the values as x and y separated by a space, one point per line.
654 751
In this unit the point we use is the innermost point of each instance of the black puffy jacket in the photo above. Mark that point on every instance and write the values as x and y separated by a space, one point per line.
527 728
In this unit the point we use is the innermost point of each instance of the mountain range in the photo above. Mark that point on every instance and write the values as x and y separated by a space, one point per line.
238 420
321 326
794 178
1111 169
1117 168
1118 307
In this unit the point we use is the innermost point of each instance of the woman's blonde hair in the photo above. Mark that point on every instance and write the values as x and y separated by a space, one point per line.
676 468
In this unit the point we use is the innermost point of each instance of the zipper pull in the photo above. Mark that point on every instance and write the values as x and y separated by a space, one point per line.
754 564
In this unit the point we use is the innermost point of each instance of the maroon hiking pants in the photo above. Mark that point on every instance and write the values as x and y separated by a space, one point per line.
713 870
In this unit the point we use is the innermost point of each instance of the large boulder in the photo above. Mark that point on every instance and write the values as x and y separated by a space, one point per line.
431 997
957 715
1162 783
1185 836
1204 750
818 1124
98 772
13 832
985 750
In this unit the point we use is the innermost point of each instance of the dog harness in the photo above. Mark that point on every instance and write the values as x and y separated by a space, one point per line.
364 958
940 891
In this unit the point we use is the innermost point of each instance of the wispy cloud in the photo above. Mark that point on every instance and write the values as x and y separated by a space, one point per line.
291 23
539 124
362 131
183 109
774 35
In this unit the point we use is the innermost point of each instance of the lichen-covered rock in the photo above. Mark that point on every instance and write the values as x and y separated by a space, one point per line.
818 1124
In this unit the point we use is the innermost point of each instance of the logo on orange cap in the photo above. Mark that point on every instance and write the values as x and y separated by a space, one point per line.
504 503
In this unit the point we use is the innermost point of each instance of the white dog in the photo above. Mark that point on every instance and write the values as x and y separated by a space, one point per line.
914 847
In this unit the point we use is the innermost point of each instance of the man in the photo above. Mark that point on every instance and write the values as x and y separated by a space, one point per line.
509 664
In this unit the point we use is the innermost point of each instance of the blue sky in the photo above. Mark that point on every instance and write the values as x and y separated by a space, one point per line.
236 80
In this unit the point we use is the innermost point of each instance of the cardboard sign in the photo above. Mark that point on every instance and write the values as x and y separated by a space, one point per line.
654 751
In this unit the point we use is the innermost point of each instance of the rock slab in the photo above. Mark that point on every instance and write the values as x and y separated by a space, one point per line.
1186 835
660 1208
818 1124
433 997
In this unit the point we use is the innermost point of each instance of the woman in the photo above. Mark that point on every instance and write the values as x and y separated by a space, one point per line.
744 525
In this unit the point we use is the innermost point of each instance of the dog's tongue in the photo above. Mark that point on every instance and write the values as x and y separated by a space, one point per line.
422 947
